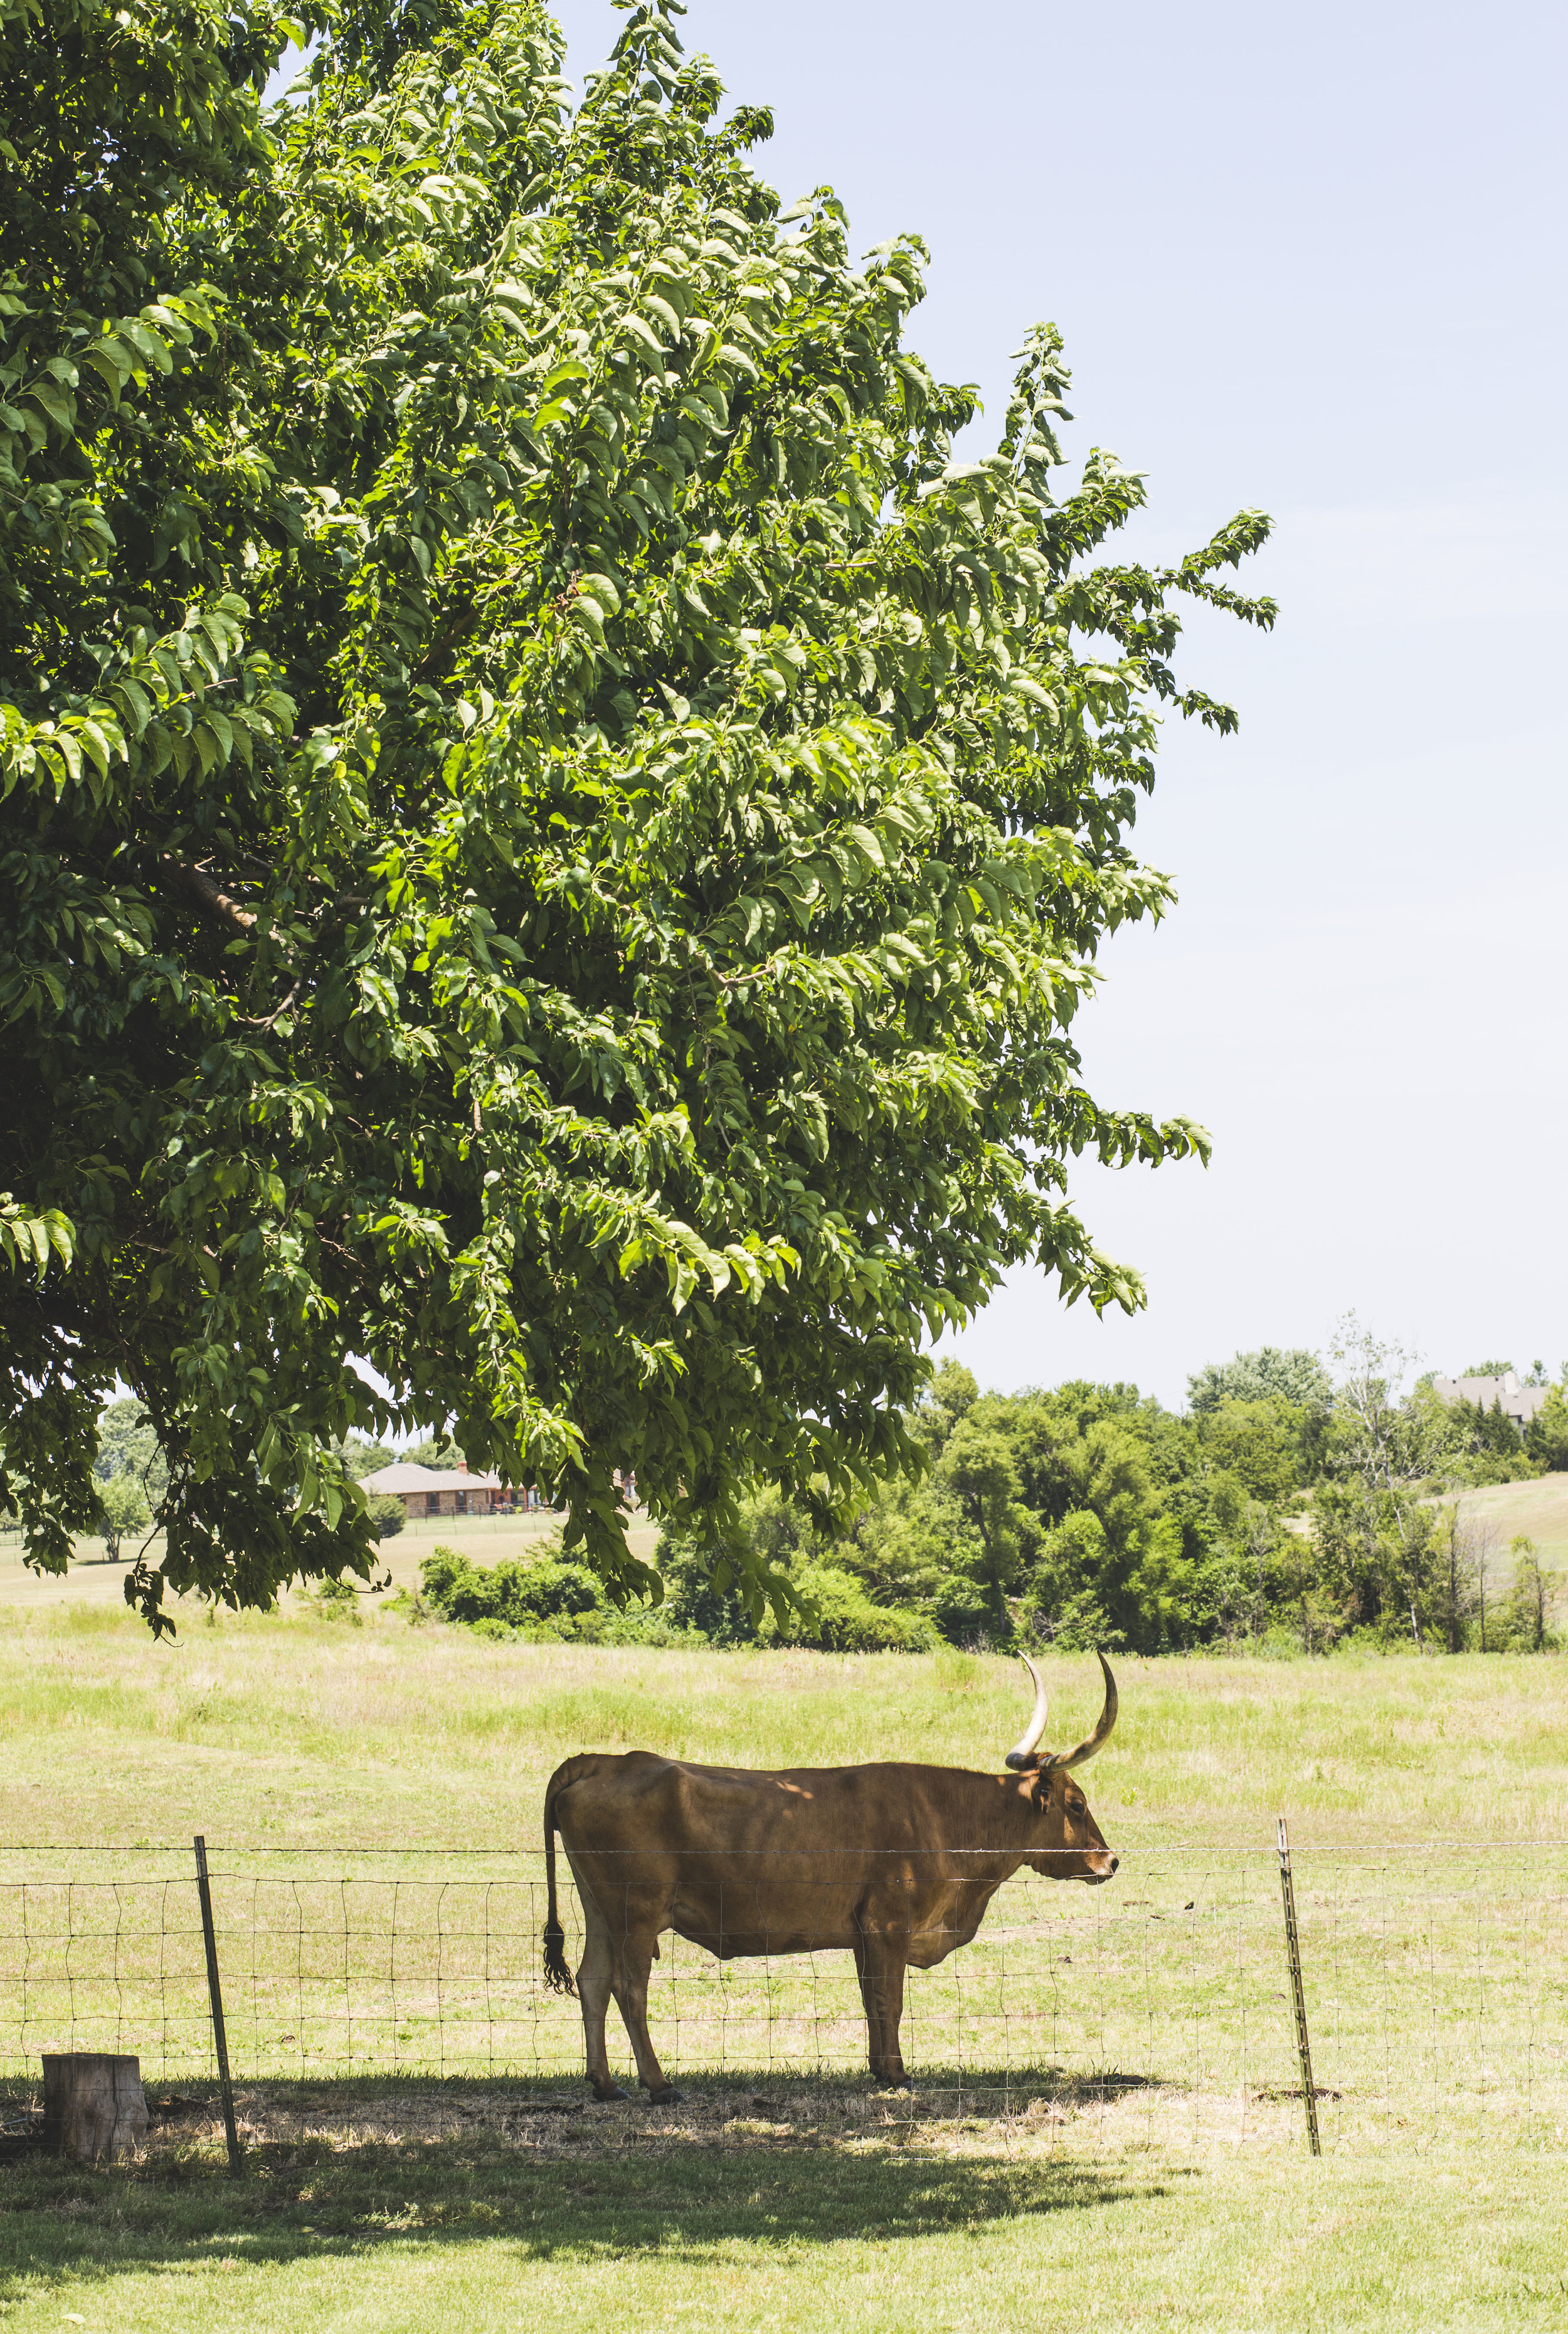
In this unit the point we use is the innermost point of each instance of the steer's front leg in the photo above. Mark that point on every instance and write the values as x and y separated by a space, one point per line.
880 1961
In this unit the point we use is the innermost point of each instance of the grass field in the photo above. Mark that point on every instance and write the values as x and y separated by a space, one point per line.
94 1580
811 2205
779 2230
265 1730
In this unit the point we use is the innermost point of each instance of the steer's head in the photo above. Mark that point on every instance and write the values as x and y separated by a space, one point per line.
1065 1841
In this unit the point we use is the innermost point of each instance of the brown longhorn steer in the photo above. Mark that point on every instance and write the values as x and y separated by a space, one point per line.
894 1863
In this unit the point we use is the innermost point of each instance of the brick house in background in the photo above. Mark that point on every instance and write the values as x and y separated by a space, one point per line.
451 1491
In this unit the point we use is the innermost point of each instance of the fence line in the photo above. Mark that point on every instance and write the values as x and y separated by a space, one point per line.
1157 2008
457 1853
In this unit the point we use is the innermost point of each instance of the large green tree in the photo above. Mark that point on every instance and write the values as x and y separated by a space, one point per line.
552 837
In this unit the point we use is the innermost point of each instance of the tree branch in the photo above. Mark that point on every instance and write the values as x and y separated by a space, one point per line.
205 891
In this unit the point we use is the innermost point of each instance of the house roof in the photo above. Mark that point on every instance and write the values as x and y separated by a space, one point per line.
405 1477
1516 1401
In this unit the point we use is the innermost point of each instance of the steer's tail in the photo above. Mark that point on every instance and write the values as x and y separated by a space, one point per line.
557 1976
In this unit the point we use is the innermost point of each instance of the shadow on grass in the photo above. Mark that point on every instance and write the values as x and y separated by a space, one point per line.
360 2168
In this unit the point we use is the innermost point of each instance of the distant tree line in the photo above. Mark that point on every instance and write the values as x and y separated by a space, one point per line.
1293 1506
1291 1509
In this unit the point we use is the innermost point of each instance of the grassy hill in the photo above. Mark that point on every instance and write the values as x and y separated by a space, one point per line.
1539 1508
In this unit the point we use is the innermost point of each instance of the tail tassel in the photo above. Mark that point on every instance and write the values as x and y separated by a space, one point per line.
557 1976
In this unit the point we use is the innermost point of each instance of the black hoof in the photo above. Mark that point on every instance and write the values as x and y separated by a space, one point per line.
668 2098
892 2082
614 2092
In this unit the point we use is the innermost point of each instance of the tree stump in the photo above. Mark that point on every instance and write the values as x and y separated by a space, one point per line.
94 2107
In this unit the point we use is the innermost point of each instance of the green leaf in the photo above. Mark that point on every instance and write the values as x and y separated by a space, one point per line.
56 403
600 589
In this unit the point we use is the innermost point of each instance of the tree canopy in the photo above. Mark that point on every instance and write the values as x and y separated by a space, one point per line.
1271 1373
552 837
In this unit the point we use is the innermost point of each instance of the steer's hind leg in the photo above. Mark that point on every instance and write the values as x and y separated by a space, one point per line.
595 1978
634 1961
880 1967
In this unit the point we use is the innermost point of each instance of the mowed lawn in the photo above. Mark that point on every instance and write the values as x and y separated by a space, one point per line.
294 1729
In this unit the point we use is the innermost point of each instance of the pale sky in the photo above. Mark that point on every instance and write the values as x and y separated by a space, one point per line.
1310 260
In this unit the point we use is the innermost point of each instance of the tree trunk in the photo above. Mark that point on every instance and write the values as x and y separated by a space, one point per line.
94 2105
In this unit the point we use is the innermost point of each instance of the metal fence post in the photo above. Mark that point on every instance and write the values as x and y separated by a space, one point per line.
1293 1947
215 1994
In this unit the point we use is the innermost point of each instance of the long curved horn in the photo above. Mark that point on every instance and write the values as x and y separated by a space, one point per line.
1091 1742
1022 1754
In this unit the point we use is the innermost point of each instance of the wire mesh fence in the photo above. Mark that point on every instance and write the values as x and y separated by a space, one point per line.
1157 2009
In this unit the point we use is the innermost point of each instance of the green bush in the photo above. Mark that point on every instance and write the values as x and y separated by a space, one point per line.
1500 1467
338 1600
1546 1436
388 1514
841 1618
547 1599
693 1608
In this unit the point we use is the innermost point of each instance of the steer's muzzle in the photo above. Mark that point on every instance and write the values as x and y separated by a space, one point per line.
1102 1867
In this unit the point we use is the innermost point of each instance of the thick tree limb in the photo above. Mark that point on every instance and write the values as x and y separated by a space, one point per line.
206 892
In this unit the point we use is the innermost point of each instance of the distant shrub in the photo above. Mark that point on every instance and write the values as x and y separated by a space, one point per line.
548 1599
841 1618
388 1514
1546 1436
693 1608
338 1600
558 1591
961 1612
1489 1466
646 1624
